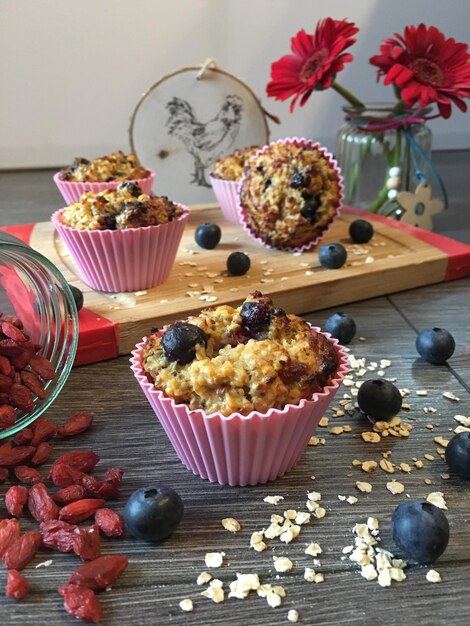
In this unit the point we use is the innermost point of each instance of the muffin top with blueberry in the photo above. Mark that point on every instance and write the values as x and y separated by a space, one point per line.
115 166
290 194
231 168
237 360
118 209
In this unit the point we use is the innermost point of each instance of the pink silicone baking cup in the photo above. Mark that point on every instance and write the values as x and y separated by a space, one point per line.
124 260
308 144
240 449
226 192
71 191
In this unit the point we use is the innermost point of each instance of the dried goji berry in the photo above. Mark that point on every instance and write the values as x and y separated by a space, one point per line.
42 366
15 499
81 602
87 543
12 319
17 586
14 456
109 522
7 416
9 532
43 431
59 535
28 475
3 474
5 383
77 423
21 359
82 460
11 348
100 573
80 510
91 484
62 475
114 475
108 491
4 398
69 494
5 365
22 550
30 380
13 332
23 437
43 452
21 398
40 504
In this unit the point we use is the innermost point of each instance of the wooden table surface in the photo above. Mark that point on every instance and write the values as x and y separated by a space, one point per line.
126 433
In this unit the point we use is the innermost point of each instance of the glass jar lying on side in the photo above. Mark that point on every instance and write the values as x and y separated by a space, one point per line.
33 290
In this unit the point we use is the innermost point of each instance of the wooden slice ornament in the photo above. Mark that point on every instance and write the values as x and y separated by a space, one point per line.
187 121
420 206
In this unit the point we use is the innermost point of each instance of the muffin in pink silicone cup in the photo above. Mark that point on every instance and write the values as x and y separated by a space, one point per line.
122 239
240 391
105 172
290 194
225 180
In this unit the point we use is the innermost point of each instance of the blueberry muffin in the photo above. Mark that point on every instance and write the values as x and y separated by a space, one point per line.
118 209
115 166
290 194
232 167
237 360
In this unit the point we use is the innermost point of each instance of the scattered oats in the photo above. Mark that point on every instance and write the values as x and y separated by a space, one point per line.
44 563
385 579
320 512
186 604
323 422
313 549
361 338
234 289
429 457
372 523
218 280
441 441
263 262
347 428
364 487
356 462
405 468
421 392
214 591
212 274
293 615
347 549
450 396
338 413
290 534
395 487
465 421
241 587
214 559
429 409
461 429
140 293
315 496
370 437
231 524
419 464
273 499
302 517
437 498
312 477
440 450
433 576
429 426
351 499
290 514
257 543
369 259
445 476
203 578
342 498
308 273
336 430
273 530
315 441
386 466
277 518
405 406
427 481
282 564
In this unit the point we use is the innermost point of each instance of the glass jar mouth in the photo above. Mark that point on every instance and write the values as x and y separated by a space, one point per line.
382 110
36 292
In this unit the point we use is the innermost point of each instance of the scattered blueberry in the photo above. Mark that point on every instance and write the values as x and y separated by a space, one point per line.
421 530
341 326
152 513
333 255
458 455
77 296
208 235
238 263
379 399
180 340
361 231
435 345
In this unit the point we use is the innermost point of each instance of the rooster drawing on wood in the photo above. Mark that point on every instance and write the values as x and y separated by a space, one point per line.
206 142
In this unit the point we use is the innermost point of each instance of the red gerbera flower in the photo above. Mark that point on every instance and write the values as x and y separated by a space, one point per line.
315 61
427 68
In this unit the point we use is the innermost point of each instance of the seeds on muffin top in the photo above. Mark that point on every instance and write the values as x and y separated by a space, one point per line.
115 166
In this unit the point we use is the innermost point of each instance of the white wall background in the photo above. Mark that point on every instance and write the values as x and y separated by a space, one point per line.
71 72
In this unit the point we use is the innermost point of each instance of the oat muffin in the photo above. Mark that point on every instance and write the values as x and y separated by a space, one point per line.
118 209
290 194
231 167
111 167
252 358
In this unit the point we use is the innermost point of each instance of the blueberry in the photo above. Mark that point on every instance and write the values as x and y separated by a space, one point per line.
361 231
180 340
435 345
310 208
77 296
379 399
458 455
333 255
133 189
341 326
299 180
153 513
255 314
421 530
238 263
208 235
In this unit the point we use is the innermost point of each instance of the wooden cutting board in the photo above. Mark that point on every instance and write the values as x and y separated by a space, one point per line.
399 257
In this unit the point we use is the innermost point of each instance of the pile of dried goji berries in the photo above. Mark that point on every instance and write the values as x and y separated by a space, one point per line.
79 496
